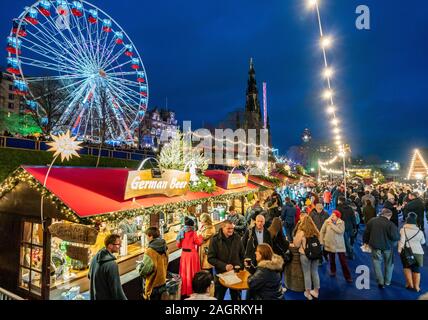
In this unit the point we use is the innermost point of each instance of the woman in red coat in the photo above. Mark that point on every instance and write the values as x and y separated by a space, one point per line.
188 241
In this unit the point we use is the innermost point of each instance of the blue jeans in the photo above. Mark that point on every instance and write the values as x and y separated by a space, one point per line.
349 249
310 272
383 276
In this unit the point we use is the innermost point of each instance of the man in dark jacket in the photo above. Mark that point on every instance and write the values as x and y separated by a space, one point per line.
225 252
238 220
417 206
288 216
351 228
390 205
104 273
254 236
381 235
319 215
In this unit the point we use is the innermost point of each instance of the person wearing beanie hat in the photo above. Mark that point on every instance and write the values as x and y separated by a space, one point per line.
381 235
411 236
189 241
331 237
337 213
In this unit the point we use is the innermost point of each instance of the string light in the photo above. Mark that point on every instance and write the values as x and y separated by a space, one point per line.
328 94
411 169
331 109
326 41
328 72
233 142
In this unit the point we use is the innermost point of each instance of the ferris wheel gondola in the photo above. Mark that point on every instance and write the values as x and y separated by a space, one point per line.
93 61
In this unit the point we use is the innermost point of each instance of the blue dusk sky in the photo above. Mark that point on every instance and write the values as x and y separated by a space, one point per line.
196 53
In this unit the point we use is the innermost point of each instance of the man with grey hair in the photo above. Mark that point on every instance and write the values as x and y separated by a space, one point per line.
255 236
382 236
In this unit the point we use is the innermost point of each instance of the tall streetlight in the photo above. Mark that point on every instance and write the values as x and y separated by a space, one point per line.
343 155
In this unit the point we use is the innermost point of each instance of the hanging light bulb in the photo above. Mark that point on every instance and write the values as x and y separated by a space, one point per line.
328 94
311 3
326 42
328 72
331 109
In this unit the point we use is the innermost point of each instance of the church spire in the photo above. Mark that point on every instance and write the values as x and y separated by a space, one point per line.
252 103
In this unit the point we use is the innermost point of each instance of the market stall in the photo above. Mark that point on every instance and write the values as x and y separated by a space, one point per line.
47 252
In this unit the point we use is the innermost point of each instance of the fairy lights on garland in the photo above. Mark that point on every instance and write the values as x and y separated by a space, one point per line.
22 176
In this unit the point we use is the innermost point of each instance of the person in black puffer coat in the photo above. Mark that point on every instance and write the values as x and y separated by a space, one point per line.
417 206
265 281
351 228
389 204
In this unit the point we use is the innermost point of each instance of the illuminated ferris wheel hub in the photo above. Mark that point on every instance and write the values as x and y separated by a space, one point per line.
94 63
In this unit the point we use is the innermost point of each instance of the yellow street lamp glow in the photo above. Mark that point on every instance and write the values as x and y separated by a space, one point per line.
336 130
328 72
335 122
338 143
327 94
338 137
326 42
331 109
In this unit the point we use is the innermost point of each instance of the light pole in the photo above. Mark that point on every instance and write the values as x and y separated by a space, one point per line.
343 154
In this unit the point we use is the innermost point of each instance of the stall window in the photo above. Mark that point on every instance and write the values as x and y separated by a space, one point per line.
31 258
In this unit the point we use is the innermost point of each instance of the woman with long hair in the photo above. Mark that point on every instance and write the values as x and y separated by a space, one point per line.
279 244
307 229
206 230
265 281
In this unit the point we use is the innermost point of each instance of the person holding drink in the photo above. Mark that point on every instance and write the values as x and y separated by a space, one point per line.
225 252
265 281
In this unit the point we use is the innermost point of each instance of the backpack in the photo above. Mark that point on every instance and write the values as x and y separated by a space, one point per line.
313 250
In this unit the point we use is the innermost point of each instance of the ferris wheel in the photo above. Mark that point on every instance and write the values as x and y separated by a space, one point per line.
95 65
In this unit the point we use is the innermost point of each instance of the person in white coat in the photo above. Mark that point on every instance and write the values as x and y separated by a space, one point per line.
331 237
413 237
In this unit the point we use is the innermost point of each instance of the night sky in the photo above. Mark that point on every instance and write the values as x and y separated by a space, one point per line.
196 53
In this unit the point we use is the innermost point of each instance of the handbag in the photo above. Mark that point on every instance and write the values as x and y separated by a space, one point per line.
288 256
407 256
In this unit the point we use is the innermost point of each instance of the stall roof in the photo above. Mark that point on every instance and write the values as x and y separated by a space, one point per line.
283 177
261 182
95 191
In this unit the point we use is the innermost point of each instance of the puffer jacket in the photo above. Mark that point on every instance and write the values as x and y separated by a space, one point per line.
265 283
331 236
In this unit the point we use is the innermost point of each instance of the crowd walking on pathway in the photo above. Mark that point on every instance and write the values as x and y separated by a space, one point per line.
318 223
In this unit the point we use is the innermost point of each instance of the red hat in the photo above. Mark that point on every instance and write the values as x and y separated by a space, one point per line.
337 213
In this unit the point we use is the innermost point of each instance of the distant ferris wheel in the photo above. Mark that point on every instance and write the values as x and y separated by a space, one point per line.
93 61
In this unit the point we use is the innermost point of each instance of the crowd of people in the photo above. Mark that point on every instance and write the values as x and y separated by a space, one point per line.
321 224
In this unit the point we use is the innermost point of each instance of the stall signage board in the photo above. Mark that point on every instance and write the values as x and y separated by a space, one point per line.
73 232
237 180
142 183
